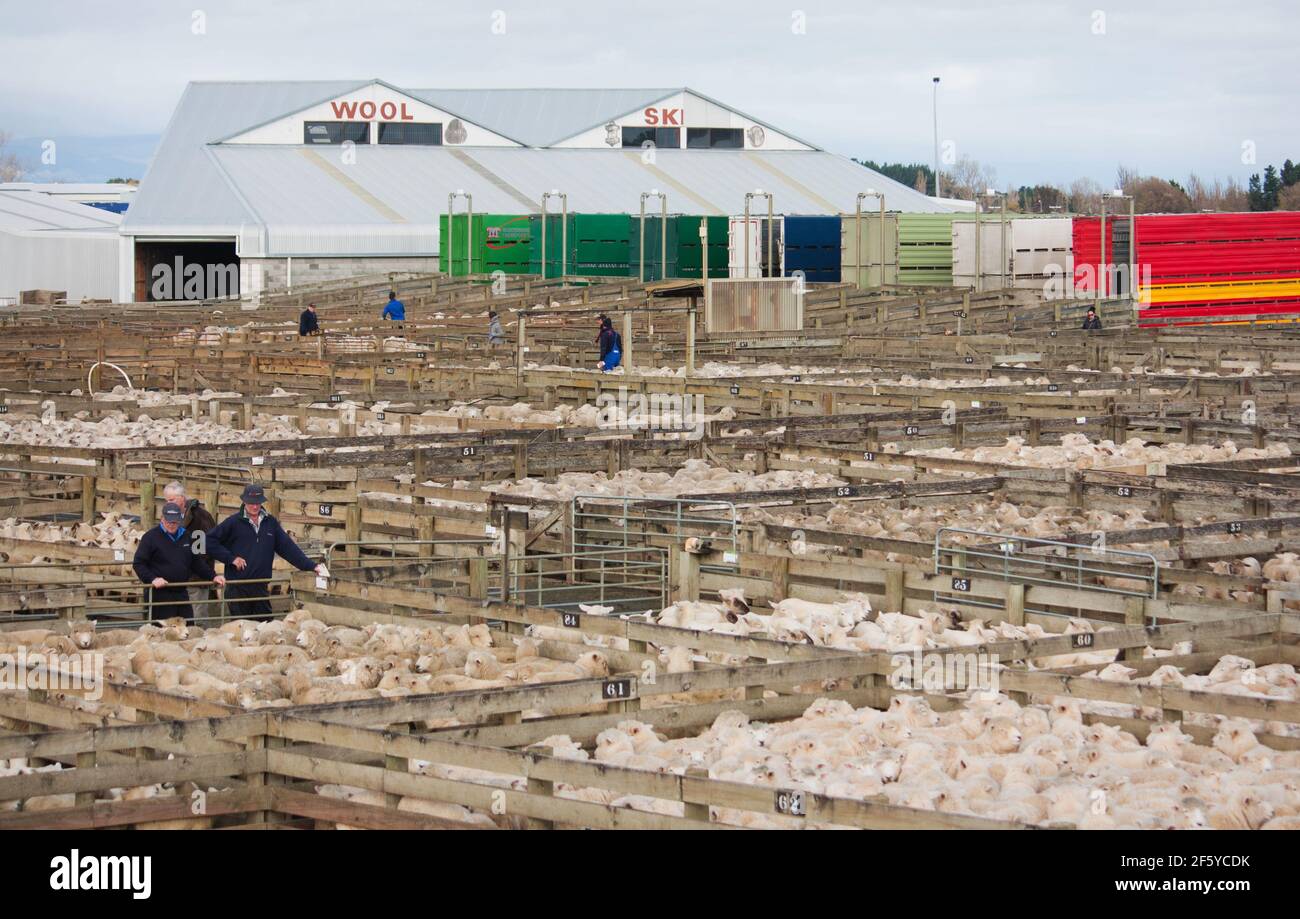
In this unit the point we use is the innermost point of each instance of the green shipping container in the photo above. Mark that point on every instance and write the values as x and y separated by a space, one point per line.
497 242
689 262
600 245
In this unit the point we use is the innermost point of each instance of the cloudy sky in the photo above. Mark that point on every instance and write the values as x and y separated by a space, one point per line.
1041 90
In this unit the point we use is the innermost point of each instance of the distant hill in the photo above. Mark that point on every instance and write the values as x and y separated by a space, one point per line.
86 159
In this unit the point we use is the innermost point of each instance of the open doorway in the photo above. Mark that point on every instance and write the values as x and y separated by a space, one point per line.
180 270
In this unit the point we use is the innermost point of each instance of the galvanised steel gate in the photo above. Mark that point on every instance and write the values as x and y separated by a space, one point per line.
1044 562
610 521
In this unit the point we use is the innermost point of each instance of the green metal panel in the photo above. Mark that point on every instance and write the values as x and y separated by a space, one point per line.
602 245
554 228
498 242
925 249
654 266
688 246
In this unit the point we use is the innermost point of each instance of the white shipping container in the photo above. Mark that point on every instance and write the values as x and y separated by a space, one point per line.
1035 250
1042 247
995 255
758 245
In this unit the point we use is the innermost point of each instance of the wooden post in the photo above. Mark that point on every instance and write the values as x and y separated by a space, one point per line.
397 764
540 787
781 578
690 339
693 810
894 589
88 499
85 761
688 575
519 351
627 340
478 578
1015 609
147 510
1135 613
352 530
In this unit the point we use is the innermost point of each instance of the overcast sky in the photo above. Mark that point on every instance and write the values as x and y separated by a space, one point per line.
1040 90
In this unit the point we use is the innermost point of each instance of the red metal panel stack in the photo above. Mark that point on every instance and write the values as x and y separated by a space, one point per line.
1087 255
1207 266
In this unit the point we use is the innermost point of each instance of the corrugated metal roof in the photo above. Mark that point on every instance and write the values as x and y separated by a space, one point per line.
540 117
37 212
276 194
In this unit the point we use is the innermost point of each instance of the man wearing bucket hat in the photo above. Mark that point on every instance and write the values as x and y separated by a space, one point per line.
165 557
247 543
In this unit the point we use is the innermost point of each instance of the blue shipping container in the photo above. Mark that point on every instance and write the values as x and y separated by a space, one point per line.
812 245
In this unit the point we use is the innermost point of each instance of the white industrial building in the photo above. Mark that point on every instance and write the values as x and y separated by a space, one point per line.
305 181
49 243
110 196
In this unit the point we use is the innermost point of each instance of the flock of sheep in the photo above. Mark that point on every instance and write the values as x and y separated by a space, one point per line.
1077 451
298 660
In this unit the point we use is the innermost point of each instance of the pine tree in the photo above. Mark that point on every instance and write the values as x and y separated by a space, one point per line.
1272 188
1255 194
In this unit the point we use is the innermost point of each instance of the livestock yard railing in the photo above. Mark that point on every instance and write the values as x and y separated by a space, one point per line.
1025 560
624 579
99 590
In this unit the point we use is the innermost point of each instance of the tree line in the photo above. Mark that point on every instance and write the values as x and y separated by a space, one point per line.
1274 189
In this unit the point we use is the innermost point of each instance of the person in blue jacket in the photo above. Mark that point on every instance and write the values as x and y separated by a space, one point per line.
611 345
165 557
395 309
248 542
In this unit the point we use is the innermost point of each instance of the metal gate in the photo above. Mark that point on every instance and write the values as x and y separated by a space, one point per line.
1044 562
603 522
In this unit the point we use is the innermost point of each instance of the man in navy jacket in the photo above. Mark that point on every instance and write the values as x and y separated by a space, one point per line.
248 542
166 555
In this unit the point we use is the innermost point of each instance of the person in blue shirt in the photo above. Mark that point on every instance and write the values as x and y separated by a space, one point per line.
248 542
395 309
166 556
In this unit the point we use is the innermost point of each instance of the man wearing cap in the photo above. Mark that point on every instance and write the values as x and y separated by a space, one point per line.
248 542
166 557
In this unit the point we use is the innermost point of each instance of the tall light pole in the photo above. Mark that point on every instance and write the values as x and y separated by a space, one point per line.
936 138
